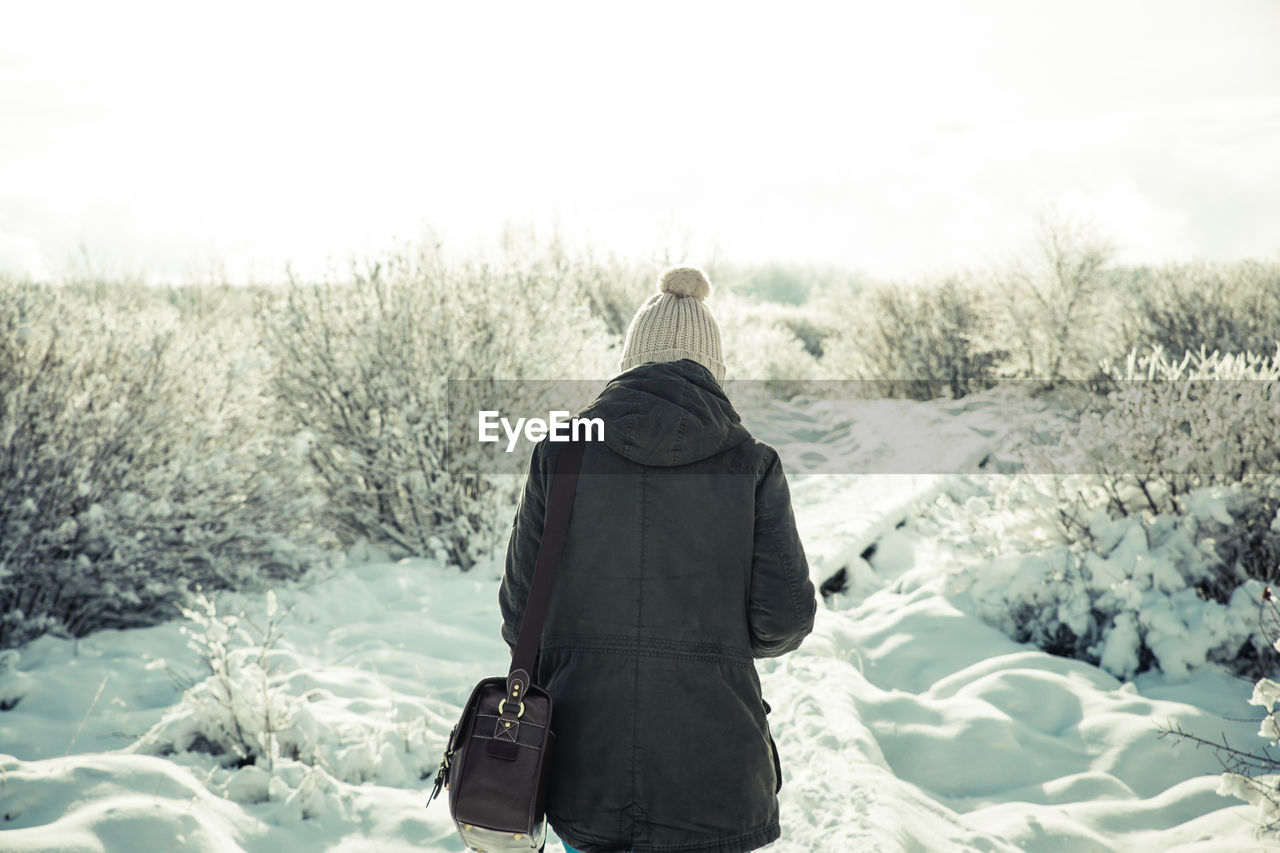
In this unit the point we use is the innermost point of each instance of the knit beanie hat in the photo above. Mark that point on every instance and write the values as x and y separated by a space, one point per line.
674 323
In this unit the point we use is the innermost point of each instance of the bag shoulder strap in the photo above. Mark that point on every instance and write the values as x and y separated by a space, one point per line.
555 528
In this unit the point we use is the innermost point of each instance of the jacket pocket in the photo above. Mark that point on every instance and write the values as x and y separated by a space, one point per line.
773 747
777 765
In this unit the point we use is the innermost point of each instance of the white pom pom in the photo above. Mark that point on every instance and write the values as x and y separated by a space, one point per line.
685 281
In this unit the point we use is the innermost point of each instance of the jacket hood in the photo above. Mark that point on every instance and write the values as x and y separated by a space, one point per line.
667 413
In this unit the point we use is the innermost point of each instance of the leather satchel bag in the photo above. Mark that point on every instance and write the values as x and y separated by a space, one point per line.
497 759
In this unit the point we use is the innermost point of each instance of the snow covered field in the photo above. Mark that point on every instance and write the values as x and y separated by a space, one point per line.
905 722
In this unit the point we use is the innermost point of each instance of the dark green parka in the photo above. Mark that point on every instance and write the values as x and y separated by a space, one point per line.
682 565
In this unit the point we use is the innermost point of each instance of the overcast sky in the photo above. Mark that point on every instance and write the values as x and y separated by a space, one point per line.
179 138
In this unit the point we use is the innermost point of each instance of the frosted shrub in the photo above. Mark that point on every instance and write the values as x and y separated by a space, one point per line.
1225 307
1169 428
239 711
1129 596
138 459
611 287
1155 550
919 342
1199 420
250 711
759 345
361 371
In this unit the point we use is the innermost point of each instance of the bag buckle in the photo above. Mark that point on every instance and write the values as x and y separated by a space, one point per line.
443 771
439 783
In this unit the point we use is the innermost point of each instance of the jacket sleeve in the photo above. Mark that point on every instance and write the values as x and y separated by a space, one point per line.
522 549
783 602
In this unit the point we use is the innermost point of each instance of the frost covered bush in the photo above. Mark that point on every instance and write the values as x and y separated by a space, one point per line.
137 458
1203 419
1224 307
239 711
1136 593
1154 551
760 346
361 370
1169 428
611 287
250 712
919 342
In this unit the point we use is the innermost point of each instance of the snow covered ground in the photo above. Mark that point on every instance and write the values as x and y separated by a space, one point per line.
904 722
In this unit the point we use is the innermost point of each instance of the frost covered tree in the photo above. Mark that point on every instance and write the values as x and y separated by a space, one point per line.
1054 303
367 371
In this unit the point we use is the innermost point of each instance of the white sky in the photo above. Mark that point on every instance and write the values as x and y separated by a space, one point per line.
895 137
